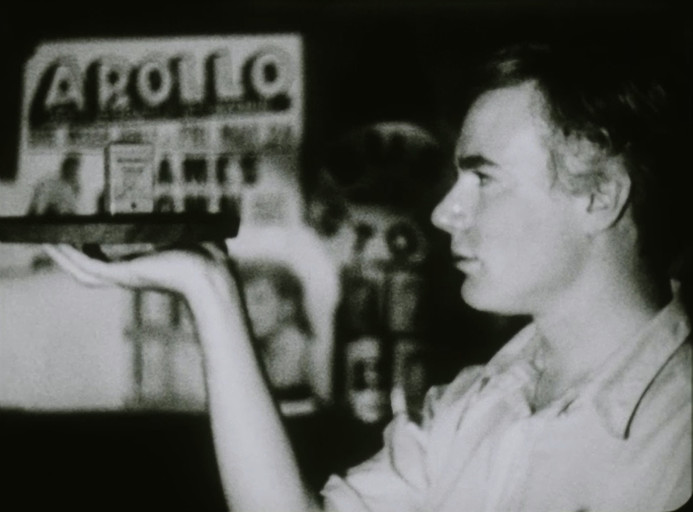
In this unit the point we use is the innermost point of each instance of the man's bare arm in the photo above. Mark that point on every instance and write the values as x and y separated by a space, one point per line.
258 469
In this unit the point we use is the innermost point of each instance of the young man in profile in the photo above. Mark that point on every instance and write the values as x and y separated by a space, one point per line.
563 209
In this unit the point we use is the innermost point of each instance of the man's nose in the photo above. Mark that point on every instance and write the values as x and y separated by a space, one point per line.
454 212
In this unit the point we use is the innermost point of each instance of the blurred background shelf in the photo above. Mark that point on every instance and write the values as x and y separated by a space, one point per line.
120 229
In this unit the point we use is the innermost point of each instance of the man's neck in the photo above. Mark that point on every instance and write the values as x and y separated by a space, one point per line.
580 331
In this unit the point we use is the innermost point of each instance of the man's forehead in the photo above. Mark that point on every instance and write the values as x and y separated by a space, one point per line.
500 117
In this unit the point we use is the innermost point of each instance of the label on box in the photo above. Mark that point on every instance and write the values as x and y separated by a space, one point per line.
129 178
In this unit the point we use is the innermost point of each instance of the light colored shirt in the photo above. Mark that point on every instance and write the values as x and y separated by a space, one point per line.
621 442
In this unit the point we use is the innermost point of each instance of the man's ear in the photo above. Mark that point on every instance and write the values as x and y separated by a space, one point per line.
608 200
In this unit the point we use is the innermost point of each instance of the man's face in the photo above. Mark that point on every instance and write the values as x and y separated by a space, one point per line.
516 238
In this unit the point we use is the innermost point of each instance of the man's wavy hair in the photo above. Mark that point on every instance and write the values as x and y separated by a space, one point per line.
601 105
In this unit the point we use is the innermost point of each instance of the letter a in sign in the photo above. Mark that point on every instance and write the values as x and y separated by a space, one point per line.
65 87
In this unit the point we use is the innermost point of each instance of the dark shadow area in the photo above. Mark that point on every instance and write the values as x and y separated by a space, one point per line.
147 461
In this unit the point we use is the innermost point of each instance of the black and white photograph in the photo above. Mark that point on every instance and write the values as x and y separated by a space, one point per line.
348 256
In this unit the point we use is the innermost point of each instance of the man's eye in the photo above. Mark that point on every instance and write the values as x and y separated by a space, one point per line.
483 178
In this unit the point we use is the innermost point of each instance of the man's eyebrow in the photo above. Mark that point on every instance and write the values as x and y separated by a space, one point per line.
466 162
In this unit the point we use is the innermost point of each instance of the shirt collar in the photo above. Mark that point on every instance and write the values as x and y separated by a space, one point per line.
520 349
512 368
621 383
618 390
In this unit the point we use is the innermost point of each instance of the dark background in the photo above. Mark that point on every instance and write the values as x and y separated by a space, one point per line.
364 62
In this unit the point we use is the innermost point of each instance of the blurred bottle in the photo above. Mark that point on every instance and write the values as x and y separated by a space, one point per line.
163 188
165 175
361 384
406 325
195 198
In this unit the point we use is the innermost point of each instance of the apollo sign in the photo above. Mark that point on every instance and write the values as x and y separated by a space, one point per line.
162 85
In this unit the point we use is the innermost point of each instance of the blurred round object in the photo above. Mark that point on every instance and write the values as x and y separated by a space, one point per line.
403 240
390 164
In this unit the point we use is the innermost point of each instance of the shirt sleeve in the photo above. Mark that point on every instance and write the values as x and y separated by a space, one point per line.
396 478
392 480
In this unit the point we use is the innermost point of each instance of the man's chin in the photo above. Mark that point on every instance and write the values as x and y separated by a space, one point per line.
473 296
485 299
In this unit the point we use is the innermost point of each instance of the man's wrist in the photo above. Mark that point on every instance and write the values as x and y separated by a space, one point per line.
212 287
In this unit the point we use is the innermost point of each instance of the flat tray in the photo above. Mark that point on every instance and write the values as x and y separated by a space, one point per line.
148 228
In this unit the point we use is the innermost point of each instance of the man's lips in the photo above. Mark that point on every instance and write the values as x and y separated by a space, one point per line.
466 263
